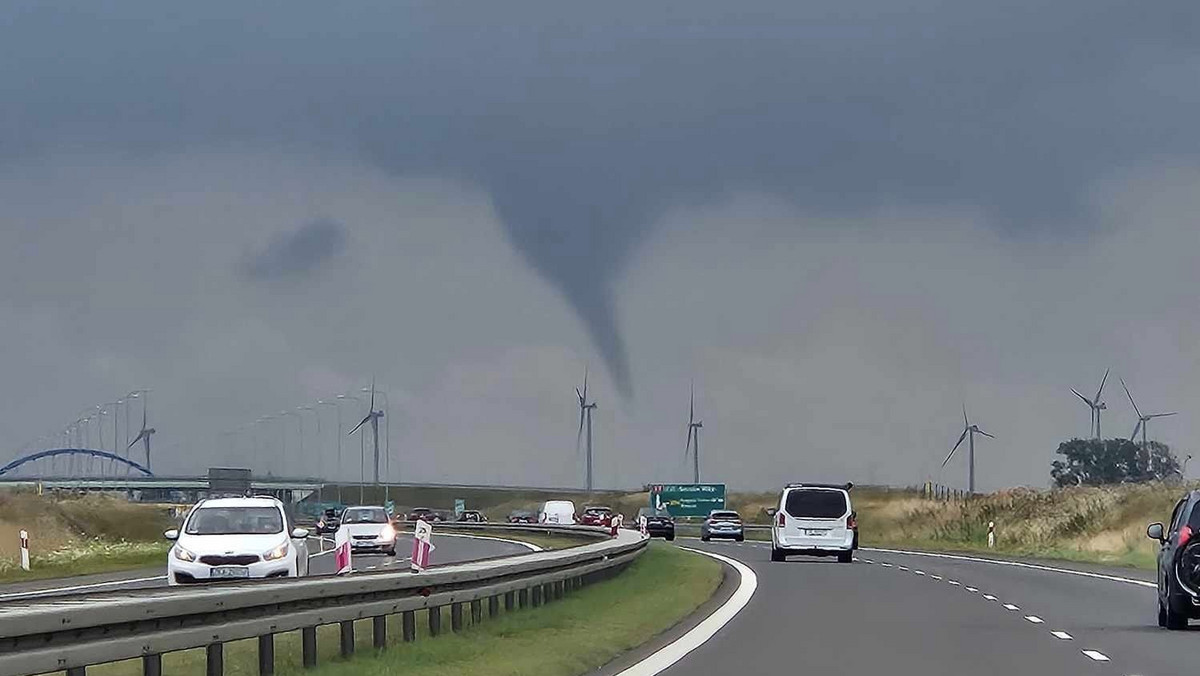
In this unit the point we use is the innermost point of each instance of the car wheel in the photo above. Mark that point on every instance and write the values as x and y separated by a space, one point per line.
391 552
741 538
778 555
704 538
671 537
845 557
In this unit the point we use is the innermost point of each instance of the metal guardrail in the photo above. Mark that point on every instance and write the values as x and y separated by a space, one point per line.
71 633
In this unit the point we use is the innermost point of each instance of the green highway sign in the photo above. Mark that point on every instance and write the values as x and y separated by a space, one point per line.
687 499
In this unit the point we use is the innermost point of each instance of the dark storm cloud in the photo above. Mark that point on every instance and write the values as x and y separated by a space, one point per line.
585 122
297 254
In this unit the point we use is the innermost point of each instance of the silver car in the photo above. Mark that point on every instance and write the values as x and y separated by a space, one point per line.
722 523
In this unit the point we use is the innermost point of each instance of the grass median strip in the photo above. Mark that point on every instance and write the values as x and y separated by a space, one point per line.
583 631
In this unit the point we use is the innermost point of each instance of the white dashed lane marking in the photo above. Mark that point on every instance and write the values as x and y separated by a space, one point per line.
953 582
903 568
919 572
1096 655
886 565
971 589
1034 619
989 597
1061 635
935 577
1009 606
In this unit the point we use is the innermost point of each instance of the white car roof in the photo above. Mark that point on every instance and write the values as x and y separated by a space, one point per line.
240 502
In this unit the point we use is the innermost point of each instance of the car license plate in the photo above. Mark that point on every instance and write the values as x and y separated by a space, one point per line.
816 531
227 572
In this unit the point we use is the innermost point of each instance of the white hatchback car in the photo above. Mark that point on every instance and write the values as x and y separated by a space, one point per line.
370 530
814 519
234 539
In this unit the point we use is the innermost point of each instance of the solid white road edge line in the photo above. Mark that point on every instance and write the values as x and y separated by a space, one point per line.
1018 564
94 585
532 547
673 652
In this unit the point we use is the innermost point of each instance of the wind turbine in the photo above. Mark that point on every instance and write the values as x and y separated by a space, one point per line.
373 417
1095 404
145 433
1143 420
585 416
693 438
969 432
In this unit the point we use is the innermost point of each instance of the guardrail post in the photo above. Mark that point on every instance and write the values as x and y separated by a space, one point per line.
347 641
536 595
266 654
152 665
523 597
560 590
379 631
214 659
308 646
476 611
435 620
456 623
493 606
77 671
409 619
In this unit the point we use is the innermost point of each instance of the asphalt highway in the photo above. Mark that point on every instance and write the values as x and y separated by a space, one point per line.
907 614
448 549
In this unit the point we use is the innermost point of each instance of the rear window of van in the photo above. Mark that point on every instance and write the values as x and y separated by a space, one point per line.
809 503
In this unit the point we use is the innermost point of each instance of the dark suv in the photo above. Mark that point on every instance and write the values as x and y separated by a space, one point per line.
1179 563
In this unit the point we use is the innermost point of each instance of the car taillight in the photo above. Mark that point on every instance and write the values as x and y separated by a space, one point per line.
782 520
851 522
1185 534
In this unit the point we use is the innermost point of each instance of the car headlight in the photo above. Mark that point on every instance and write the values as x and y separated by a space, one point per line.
388 533
184 554
277 553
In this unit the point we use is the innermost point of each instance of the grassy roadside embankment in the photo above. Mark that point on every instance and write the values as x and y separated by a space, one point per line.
585 630
79 535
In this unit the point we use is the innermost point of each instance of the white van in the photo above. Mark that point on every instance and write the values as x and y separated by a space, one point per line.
814 519
557 511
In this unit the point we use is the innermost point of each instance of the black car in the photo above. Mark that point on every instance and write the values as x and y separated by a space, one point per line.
1179 563
472 516
329 522
522 516
659 522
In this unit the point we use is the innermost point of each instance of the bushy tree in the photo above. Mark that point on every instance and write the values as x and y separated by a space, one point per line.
1095 462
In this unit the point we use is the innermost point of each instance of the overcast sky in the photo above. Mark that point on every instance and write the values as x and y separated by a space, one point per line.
842 220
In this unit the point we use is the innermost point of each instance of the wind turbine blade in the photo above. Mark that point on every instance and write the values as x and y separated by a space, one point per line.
579 434
1085 399
580 395
960 440
691 405
360 424
585 379
1138 426
688 446
1162 415
1131 401
984 433
965 423
136 439
1101 389
372 408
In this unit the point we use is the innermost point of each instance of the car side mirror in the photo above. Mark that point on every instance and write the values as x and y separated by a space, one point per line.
1155 532
172 534
299 533
772 512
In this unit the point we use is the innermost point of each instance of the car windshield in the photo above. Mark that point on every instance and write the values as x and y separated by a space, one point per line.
598 511
371 515
815 503
724 516
235 521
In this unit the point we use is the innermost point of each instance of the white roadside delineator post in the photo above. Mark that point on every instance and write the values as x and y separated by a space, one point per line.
991 534
25 550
